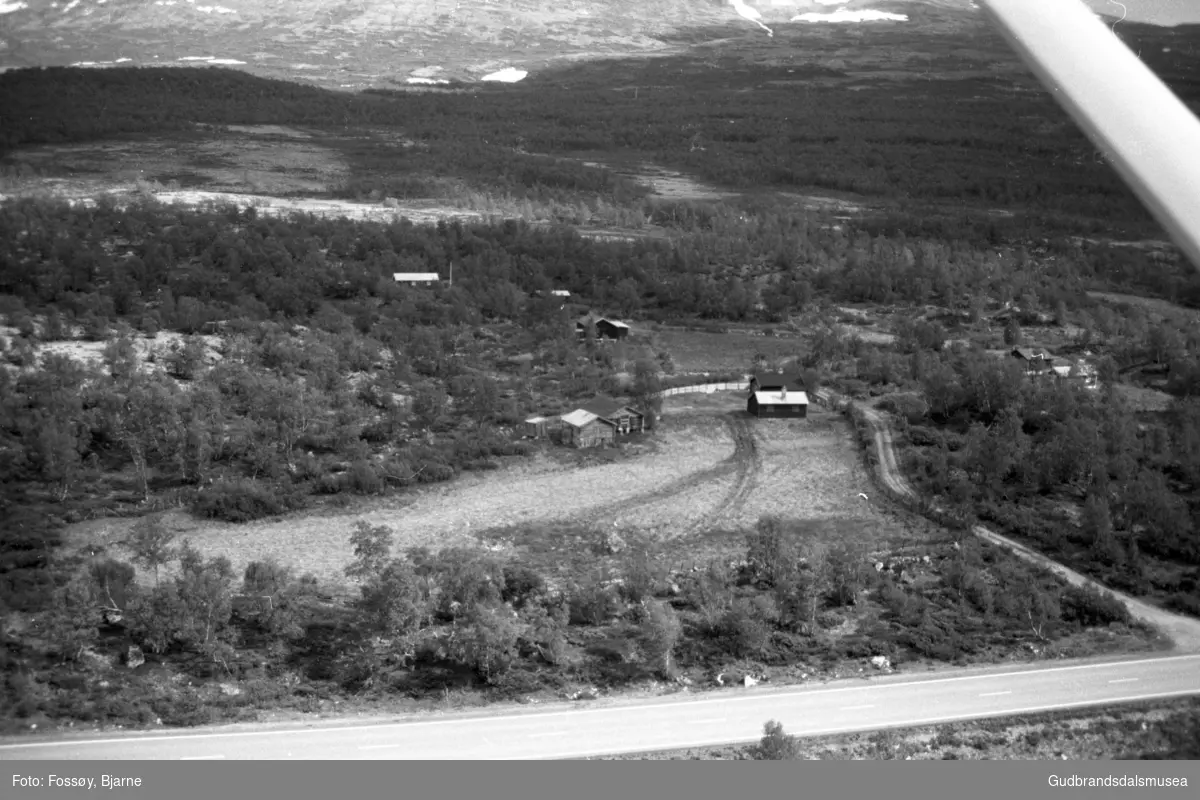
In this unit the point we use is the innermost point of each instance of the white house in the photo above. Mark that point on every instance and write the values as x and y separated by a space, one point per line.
416 277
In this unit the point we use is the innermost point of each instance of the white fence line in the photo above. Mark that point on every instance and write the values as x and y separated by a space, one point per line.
706 388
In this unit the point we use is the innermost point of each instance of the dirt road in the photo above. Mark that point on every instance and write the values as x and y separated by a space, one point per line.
1184 631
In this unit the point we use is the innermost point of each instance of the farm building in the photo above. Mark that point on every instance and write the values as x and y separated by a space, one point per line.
778 404
522 362
623 418
540 427
1034 361
582 428
611 329
1080 372
415 277
776 381
605 328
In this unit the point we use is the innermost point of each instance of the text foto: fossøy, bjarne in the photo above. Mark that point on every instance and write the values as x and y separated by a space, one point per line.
74 781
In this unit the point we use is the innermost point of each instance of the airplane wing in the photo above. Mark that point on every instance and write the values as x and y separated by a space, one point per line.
1147 134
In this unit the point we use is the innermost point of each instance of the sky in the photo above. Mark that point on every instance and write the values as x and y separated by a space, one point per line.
1160 12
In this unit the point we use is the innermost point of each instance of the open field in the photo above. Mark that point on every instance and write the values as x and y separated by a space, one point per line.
1142 398
264 159
714 470
732 351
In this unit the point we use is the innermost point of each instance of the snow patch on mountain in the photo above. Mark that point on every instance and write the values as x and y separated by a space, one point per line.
845 15
8 7
101 63
506 75
751 13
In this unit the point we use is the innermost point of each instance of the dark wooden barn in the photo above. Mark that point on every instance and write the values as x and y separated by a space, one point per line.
778 404
623 418
611 329
604 328
582 428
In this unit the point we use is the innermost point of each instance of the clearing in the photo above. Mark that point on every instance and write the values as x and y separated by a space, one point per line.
713 470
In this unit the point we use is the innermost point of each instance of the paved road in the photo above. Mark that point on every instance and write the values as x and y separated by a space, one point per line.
736 716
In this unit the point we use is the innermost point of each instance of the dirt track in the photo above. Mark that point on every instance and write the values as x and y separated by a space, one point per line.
1184 631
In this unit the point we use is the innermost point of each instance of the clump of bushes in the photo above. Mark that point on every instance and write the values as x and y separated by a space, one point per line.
245 501
1088 607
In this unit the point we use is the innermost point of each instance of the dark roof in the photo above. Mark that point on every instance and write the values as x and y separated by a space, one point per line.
1027 354
607 407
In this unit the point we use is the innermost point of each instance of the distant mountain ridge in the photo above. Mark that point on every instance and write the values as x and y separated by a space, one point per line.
360 43
355 41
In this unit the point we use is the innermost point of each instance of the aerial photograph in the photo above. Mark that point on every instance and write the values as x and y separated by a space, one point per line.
641 380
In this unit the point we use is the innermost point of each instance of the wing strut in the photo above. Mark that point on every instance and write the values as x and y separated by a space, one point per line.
1147 134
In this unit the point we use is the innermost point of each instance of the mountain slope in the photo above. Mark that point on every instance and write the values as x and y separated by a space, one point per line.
358 42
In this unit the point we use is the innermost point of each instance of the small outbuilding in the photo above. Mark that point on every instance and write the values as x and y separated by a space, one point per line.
582 428
778 404
604 327
540 427
611 329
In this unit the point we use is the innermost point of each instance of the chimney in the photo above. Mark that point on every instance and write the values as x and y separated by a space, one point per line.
783 393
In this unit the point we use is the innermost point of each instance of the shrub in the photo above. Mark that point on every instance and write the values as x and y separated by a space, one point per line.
776 745
520 584
363 478
1187 603
910 407
593 603
1090 607
243 501
745 630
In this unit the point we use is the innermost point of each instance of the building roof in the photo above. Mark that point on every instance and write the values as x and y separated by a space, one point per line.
1027 354
580 417
596 320
415 276
607 407
535 420
781 398
560 293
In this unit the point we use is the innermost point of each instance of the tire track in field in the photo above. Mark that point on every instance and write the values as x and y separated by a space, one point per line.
744 462
748 462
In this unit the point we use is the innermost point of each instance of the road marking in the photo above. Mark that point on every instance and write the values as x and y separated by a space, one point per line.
855 708
200 758
1002 712
1123 680
993 694
134 738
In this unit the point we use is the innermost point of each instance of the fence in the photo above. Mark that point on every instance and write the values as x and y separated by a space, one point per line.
706 388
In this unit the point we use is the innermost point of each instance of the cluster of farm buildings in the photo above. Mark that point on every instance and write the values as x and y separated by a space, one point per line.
600 421
1041 363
